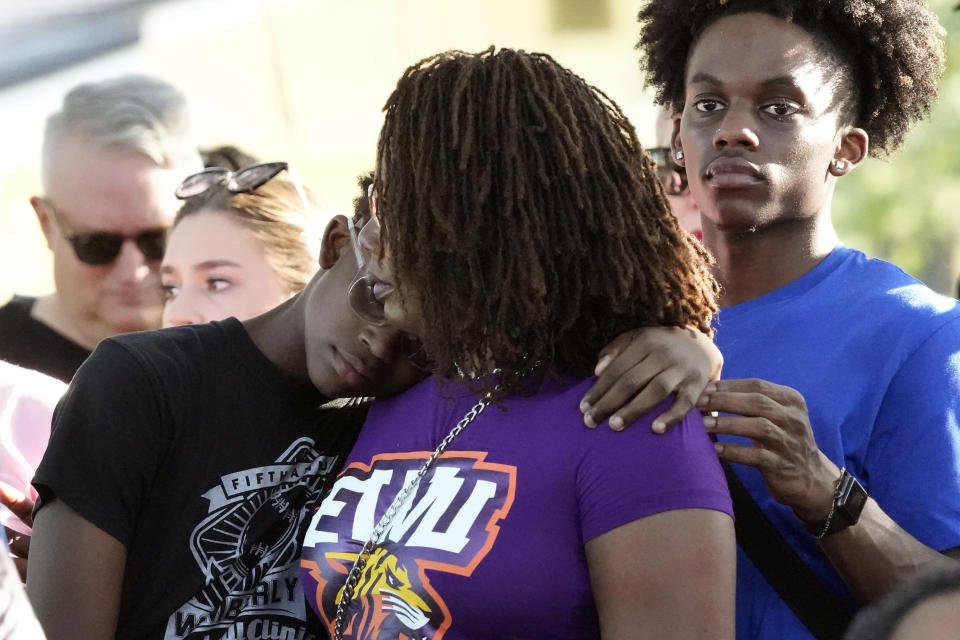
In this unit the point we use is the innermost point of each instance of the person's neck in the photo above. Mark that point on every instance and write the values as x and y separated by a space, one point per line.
279 335
49 310
750 264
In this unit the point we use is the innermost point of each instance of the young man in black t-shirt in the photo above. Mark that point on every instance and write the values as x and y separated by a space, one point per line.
183 462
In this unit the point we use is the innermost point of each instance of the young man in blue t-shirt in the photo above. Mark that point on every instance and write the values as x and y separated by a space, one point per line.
842 401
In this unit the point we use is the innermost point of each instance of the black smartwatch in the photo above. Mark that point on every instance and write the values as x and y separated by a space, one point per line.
848 502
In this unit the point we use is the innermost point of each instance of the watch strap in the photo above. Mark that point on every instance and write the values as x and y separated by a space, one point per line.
849 498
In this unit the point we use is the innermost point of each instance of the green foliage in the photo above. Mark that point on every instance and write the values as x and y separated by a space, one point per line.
905 209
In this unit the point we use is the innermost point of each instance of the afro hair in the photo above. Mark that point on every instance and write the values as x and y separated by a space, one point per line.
892 51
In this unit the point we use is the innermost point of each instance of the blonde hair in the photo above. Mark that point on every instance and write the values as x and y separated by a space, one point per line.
274 215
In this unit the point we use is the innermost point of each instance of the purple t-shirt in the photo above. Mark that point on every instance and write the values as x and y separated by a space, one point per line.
492 544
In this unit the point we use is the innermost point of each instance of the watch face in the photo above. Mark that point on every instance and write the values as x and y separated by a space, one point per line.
851 499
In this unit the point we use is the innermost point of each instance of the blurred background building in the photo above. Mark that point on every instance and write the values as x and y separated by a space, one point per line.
304 81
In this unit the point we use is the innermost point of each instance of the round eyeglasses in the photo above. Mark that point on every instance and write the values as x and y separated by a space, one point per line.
366 306
360 292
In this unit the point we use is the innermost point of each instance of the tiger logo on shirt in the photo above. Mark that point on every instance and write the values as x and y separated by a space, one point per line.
392 604
449 525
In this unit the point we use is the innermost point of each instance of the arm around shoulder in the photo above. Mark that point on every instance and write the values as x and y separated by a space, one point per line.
668 575
75 575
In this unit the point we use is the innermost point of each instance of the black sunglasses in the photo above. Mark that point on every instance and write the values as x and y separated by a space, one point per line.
243 181
98 248
103 247
667 168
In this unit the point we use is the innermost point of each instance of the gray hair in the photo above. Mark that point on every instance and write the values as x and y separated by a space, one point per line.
133 112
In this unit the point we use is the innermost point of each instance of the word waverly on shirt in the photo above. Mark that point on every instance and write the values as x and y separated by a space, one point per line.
248 550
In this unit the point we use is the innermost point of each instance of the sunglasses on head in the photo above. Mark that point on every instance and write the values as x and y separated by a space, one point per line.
672 176
366 306
243 181
98 248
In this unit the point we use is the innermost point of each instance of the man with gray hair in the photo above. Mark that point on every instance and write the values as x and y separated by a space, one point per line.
112 158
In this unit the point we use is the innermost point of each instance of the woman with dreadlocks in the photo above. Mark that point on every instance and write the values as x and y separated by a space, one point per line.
852 454
518 227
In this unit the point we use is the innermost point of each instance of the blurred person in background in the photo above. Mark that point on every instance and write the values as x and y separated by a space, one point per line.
235 253
673 177
27 401
112 157
17 620
227 156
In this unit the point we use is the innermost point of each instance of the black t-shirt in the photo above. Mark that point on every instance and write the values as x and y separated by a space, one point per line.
29 343
192 449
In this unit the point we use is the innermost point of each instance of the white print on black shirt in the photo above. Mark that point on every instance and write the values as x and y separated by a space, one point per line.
248 550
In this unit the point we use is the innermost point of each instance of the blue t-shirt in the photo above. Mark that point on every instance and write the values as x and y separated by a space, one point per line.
491 545
876 355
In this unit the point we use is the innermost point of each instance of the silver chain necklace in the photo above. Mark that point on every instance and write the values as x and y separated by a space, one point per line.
379 531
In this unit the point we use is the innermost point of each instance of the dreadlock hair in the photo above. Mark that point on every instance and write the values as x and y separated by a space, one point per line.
516 201
273 213
889 54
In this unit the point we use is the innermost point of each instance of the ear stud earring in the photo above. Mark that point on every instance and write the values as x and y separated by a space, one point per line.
839 165
679 154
